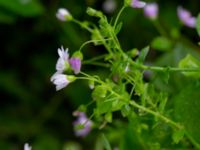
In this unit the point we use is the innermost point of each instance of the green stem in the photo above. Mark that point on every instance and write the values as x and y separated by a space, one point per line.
82 25
97 64
156 114
92 41
118 15
163 69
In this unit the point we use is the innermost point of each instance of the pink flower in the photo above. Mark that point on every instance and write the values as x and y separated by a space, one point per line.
82 120
137 4
151 11
75 64
186 18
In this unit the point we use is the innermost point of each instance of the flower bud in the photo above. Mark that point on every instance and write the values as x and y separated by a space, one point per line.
75 64
92 12
63 15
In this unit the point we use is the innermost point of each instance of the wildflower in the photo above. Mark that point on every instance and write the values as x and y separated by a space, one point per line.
63 14
84 122
137 4
186 17
27 147
61 80
62 63
151 11
109 6
75 64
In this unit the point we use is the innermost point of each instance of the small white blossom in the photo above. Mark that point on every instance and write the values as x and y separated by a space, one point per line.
27 147
63 14
62 62
60 80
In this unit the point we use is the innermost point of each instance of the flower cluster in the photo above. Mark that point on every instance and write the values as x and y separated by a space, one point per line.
82 125
64 63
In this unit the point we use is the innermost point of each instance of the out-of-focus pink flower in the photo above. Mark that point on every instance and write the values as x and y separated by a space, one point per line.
82 120
75 64
151 11
186 18
137 4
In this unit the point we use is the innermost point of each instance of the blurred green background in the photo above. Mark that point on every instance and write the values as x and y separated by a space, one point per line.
30 108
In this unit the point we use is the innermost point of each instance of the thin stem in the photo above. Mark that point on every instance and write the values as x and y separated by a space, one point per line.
118 15
92 41
95 59
165 119
163 69
82 25
97 64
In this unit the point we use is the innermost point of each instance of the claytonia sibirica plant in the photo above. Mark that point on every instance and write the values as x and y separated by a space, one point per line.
138 109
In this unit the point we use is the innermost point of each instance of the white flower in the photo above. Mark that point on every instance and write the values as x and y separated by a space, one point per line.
63 14
62 62
60 80
27 147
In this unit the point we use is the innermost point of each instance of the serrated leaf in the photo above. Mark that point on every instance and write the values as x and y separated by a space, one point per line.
161 43
190 62
198 24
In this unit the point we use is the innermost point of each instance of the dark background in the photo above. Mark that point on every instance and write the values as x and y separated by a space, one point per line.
30 108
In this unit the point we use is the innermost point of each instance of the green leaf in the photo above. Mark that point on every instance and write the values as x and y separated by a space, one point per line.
178 135
99 92
118 28
105 142
161 43
190 62
143 54
187 110
198 24
108 117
